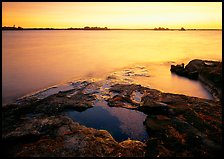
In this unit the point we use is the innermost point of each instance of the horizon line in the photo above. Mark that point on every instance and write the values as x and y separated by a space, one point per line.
111 28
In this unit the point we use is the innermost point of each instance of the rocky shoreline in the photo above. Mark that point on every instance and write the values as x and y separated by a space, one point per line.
177 125
208 72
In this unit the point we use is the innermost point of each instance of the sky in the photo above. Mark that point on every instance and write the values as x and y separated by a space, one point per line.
135 15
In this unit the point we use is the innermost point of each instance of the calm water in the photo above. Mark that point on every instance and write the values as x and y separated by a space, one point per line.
33 60
120 122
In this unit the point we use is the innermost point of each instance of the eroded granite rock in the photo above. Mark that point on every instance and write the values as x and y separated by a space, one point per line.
59 136
177 125
176 122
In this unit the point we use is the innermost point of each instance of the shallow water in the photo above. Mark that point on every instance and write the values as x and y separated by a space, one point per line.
34 60
121 123
162 79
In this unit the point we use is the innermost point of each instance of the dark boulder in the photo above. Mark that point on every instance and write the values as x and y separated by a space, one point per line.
195 65
208 72
192 75
179 70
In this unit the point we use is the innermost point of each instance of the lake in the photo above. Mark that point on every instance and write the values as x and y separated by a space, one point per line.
33 60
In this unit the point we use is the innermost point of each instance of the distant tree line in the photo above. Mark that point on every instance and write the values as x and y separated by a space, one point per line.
89 28
12 28
95 28
182 29
85 28
161 28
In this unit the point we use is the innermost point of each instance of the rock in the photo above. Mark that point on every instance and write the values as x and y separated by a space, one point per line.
59 102
211 76
151 106
120 101
125 89
193 75
59 136
178 121
136 97
174 123
208 72
137 148
179 70
194 65
177 137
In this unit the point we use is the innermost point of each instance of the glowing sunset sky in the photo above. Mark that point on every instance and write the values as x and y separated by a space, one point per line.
113 15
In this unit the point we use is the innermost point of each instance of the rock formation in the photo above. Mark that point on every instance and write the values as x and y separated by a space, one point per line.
208 72
177 125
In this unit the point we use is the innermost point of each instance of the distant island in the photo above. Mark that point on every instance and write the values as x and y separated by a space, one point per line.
85 28
102 28
12 28
161 28
182 29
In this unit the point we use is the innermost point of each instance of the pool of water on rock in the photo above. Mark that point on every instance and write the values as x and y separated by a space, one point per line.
121 123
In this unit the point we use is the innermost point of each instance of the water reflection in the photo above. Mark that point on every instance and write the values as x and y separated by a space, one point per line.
33 60
158 76
162 79
121 123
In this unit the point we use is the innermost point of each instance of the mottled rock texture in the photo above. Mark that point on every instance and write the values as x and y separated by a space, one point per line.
176 122
59 136
177 125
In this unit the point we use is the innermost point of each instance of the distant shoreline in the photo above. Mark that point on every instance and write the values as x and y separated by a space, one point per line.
109 29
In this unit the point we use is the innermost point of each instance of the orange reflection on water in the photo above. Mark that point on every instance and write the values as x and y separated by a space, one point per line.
162 79
32 60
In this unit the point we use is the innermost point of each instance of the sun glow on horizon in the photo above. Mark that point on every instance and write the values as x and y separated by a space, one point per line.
189 15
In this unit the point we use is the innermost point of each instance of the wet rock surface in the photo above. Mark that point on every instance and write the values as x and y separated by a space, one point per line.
176 122
208 72
177 125
39 128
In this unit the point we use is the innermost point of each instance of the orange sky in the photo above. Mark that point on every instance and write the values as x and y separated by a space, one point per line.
113 14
